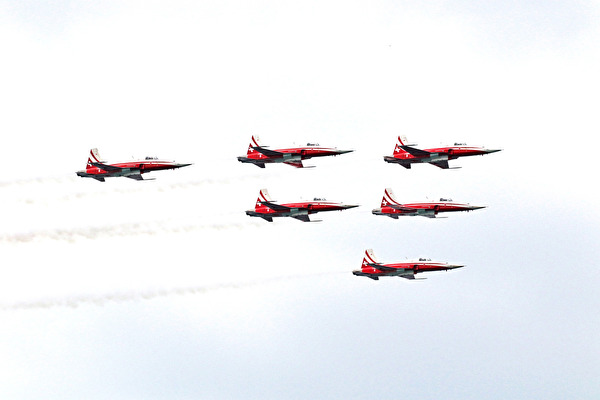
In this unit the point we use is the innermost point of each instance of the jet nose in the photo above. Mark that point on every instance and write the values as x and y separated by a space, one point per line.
455 266
489 151
177 165
343 151
349 206
476 207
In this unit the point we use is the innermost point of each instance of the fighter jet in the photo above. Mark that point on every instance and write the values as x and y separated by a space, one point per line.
260 155
266 208
99 170
408 269
406 155
392 208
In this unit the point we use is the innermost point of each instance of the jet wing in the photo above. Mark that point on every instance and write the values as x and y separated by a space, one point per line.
297 164
276 207
138 177
106 167
403 208
416 152
411 276
443 164
302 217
267 152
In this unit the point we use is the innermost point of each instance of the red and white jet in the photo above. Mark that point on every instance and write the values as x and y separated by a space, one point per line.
98 169
266 208
407 155
392 208
260 155
408 269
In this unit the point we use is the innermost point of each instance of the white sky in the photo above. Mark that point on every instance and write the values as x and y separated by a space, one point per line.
166 289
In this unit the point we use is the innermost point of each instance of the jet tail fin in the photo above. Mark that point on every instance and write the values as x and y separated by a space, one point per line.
254 142
401 142
94 157
368 259
263 196
388 198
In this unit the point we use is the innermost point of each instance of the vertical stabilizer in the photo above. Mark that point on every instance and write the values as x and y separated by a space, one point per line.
401 142
369 258
263 195
93 157
388 198
254 142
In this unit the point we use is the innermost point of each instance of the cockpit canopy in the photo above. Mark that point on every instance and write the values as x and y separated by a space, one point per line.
424 259
460 144
312 144
445 199
319 199
151 158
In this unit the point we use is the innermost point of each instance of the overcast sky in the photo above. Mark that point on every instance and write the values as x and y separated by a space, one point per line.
167 290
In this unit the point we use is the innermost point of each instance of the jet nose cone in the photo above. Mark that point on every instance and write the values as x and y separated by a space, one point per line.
177 165
348 206
489 151
343 151
455 266
476 207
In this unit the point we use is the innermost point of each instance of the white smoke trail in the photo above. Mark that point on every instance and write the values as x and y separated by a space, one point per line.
18 192
101 300
120 230
36 181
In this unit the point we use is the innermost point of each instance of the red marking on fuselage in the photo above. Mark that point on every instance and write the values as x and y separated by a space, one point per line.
303 152
416 266
311 206
452 152
142 165
438 207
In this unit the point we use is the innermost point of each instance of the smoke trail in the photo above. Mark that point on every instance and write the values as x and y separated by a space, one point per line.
35 181
107 189
101 300
121 230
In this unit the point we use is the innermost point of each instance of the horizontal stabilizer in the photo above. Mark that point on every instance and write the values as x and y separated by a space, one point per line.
259 164
416 152
106 167
360 273
267 152
381 267
274 206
